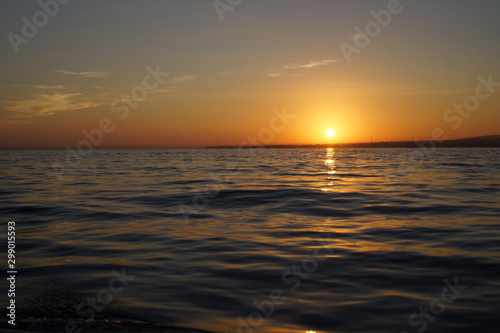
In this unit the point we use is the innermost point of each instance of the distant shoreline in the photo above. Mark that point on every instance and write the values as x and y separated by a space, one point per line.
490 141
477 142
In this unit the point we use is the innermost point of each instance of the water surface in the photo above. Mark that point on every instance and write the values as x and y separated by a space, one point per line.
210 234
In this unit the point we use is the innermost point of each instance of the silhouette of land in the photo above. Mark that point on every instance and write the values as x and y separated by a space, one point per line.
480 141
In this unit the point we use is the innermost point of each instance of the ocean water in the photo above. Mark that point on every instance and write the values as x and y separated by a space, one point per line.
258 240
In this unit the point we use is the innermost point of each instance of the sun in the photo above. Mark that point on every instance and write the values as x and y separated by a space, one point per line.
330 132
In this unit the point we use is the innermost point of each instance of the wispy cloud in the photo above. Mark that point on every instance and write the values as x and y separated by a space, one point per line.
15 124
227 72
164 91
176 84
48 104
224 73
17 85
85 74
186 78
310 65
379 89
43 87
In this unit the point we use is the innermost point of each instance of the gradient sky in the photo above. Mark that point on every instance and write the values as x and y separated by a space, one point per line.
226 77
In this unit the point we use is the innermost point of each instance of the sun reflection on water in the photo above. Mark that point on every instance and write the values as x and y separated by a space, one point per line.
330 163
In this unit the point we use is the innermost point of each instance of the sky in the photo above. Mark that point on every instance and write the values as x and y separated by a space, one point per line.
131 74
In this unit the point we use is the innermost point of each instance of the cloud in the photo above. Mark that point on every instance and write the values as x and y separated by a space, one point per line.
42 87
224 73
276 74
17 122
16 85
310 65
48 104
227 72
176 84
85 74
186 78
164 91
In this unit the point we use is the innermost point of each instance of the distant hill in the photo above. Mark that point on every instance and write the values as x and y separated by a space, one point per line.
482 138
479 141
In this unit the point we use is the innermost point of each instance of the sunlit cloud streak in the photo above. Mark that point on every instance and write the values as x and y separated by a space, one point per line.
48 104
44 87
176 84
310 65
85 74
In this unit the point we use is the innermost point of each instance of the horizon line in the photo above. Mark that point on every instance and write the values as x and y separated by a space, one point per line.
284 145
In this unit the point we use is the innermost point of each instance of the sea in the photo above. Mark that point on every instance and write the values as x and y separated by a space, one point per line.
266 240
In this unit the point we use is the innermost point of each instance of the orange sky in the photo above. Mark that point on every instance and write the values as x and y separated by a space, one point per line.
226 77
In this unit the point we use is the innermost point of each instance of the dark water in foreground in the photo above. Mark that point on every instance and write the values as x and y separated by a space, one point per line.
339 246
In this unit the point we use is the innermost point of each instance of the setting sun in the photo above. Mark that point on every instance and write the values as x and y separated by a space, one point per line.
330 132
